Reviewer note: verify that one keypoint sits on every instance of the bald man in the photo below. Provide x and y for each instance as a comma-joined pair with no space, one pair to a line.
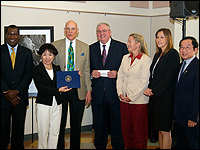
77,97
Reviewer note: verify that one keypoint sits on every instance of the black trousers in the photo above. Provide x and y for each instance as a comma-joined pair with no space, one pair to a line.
100,118
76,109
187,137
13,118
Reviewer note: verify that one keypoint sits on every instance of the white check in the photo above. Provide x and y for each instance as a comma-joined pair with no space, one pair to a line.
103,73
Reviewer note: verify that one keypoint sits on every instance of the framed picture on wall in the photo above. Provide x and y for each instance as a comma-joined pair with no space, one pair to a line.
33,37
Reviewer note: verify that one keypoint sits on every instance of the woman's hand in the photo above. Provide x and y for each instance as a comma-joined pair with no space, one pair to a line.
124,99
64,89
148,92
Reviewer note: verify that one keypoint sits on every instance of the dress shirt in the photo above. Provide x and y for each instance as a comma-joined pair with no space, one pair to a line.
188,61
67,41
138,57
106,47
10,50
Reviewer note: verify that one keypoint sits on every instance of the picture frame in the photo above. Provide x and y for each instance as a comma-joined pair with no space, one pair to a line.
33,37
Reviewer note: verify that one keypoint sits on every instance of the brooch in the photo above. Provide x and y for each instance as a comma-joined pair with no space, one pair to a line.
82,54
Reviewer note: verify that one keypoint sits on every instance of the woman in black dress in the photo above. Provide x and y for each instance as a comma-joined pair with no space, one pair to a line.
161,88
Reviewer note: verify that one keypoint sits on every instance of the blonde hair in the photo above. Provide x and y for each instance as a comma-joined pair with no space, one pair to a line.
168,36
139,39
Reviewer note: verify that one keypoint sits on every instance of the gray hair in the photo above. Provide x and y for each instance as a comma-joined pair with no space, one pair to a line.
102,23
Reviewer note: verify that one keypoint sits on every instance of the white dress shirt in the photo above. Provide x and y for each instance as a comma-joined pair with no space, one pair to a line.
107,46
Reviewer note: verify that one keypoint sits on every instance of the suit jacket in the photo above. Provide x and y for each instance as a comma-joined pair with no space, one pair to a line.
187,95
17,79
46,87
165,72
115,54
82,63
133,80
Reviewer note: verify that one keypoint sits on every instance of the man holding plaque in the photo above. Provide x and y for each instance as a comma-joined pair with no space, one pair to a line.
73,55
105,59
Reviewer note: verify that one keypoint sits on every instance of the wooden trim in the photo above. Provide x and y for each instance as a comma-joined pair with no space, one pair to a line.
160,4
139,4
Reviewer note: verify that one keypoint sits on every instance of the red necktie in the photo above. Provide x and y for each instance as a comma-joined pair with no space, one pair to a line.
104,55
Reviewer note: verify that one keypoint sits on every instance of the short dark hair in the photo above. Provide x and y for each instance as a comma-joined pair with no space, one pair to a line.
194,41
49,47
13,27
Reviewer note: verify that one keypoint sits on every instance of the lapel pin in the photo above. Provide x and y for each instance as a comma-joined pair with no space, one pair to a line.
185,71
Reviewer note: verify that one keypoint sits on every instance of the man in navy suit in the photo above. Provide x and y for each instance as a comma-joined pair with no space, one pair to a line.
186,107
105,59
15,80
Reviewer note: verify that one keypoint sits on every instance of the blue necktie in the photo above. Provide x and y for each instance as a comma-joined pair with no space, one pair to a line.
70,63
183,66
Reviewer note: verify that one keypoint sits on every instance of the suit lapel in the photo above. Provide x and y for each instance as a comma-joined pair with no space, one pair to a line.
98,53
7,56
44,72
134,63
186,71
19,56
111,50
78,51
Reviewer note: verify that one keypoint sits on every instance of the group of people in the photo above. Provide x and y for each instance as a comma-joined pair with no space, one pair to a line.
119,81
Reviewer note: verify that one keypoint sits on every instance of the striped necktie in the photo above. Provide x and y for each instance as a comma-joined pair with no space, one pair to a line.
182,69
183,66
13,57
70,63
104,55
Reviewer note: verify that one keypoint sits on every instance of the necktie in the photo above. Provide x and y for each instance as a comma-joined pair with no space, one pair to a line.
104,55
183,66
13,58
70,63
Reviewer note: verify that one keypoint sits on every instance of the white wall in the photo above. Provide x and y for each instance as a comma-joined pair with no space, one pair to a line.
123,20
157,23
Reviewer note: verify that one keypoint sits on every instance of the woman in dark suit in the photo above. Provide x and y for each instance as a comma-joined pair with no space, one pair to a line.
48,107
161,88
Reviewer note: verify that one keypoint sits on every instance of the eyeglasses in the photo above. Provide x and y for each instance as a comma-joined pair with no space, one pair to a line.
187,48
73,29
104,31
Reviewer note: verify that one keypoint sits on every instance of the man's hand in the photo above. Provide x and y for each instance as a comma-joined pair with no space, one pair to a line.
88,99
112,74
11,95
191,123
15,101
79,72
96,74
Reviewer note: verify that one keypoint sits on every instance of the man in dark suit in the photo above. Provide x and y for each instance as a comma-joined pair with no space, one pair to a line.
16,75
106,54
186,107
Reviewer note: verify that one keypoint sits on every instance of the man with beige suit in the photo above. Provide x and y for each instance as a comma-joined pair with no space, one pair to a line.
77,98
